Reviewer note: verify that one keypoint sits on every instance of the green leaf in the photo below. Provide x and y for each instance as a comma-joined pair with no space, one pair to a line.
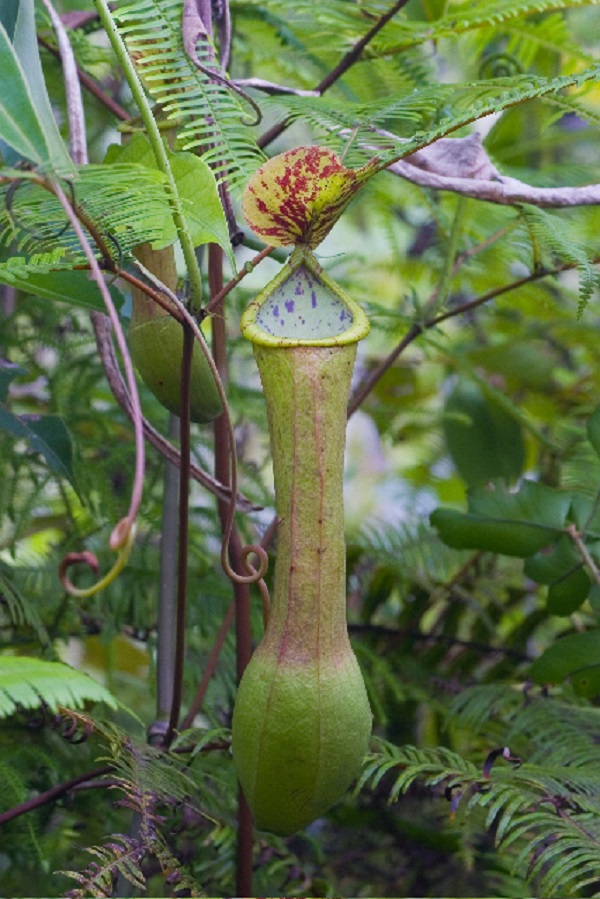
567,594
484,441
563,570
75,288
515,524
47,435
19,123
197,189
26,683
567,656
26,47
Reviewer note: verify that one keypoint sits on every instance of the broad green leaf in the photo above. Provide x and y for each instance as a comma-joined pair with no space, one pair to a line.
567,656
298,196
19,123
548,566
585,514
47,435
26,47
484,441
567,594
515,524
197,189
75,288
593,430
27,682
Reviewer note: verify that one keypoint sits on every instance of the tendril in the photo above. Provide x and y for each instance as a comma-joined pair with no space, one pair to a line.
125,534
18,224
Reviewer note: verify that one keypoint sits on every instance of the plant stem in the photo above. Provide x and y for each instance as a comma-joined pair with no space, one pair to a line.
166,638
182,558
158,148
241,590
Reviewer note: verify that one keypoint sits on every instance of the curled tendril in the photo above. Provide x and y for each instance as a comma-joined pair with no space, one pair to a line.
500,65
257,575
126,539
71,728
16,221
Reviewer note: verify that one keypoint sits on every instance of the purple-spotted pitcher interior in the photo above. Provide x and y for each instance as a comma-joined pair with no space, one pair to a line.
302,307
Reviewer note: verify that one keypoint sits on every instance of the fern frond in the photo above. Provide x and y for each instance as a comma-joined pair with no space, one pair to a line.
359,126
549,813
549,229
212,119
404,33
127,204
29,682
121,855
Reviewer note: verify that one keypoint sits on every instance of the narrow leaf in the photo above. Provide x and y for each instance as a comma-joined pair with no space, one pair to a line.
19,124
515,524
26,47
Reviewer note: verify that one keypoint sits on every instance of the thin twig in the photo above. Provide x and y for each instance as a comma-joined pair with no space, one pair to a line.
53,793
583,552
345,63
215,301
416,330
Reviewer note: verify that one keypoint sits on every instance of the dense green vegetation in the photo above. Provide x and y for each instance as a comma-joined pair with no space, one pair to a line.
472,480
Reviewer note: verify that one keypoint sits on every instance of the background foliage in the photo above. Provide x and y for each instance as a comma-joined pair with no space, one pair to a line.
476,631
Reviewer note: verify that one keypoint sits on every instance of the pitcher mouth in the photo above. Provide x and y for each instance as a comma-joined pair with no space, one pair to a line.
303,306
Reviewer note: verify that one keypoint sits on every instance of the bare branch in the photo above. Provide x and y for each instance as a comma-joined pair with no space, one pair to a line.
461,165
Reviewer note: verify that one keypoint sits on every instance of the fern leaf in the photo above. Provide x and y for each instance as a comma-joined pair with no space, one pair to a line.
466,17
28,682
551,232
359,126
212,118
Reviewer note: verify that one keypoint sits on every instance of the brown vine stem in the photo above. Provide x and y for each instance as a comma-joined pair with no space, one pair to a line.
53,793
241,590
86,780
183,543
346,62
416,330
